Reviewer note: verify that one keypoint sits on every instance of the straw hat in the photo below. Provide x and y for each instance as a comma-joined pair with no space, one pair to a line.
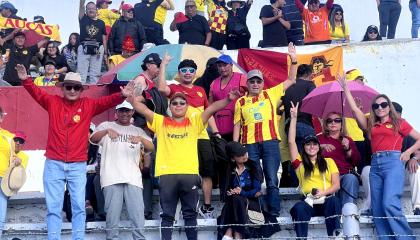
72,78
13,180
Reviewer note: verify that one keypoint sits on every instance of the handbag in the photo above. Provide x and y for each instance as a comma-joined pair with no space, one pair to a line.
91,47
311,199
255,214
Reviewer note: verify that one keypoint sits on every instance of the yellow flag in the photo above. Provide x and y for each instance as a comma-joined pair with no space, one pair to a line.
47,30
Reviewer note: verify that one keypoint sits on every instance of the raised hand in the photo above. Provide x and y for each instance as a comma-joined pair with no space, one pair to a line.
291,49
166,59
294,110
128,90
234,94
341,79
21,71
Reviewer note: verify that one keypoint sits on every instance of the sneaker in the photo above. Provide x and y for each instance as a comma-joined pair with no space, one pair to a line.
417,211
88,209
206,213
338,235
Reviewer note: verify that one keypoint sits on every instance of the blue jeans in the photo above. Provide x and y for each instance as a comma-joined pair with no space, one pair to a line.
302,211
269,152
56,175
349,189
415,18
302,130
3,209
386,187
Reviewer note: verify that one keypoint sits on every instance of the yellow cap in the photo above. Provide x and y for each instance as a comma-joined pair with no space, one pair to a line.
353,74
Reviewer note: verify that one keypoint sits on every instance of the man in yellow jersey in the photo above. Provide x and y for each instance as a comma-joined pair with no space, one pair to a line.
256,126
176,159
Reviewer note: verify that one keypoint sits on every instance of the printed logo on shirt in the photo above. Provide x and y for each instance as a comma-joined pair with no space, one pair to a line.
199,94
92,30
388,125
315,19
258,116
177,136
76,118
25,52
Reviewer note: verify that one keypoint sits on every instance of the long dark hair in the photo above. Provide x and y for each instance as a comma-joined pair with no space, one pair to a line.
76,45
210,74
309,167
332,19
393,116
45,53
222,4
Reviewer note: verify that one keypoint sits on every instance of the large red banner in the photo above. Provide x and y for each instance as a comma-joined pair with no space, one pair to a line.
24,114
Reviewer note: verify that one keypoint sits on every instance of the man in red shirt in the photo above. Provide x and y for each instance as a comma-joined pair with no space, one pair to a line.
197,100
67,145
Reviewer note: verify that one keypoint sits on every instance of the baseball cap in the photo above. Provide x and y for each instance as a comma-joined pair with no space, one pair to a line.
178,95
20,33
152,58
310,138
255,74
126,7
224,59
235,149
313,1
50,62
39,18
124,104
20,135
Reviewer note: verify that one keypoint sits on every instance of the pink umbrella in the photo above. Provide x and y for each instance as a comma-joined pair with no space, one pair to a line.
330,98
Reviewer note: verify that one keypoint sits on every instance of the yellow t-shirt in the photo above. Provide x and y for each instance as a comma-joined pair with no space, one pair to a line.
24,157
316,180
353,130
108,16
39,81
6,138
177,144
116,59
201,4
257,115
191,112
338,34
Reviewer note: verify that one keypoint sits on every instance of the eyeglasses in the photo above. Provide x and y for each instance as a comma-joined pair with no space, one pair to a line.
383,105
258,81
339,13
76,88
180,103
187,69
190,6
336,120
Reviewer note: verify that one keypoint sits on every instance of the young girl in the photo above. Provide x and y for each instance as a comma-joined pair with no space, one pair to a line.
319,180
386,131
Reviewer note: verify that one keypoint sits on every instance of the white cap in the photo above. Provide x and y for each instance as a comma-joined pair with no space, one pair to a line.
124,104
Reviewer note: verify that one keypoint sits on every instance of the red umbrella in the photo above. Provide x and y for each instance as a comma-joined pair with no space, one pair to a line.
330,98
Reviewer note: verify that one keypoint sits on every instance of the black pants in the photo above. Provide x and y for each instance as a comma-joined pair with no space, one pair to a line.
389,14
234,212
321,42
217,40
155,35
176,187
234,42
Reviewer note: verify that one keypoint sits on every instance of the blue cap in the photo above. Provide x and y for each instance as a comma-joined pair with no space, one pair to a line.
9,6
225,59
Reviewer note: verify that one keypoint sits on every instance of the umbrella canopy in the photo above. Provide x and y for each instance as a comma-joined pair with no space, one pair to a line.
131,67
330,98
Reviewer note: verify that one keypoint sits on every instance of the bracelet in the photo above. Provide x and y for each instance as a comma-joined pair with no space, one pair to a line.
294,63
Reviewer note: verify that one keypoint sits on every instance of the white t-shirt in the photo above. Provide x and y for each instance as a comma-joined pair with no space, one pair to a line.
120,158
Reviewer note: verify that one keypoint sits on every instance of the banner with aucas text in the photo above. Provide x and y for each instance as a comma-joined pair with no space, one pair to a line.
326,64
46,30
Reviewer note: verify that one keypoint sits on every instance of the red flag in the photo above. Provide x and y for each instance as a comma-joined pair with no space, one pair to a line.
273,65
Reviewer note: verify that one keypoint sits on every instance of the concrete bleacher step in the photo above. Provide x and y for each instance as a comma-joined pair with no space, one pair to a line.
27,211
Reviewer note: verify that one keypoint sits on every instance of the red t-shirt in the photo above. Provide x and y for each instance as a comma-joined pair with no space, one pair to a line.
196,96
384,138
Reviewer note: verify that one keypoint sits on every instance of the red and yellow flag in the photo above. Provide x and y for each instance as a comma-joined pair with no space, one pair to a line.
326,64
46,30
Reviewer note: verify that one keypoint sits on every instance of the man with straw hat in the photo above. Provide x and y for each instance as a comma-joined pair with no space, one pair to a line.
66,151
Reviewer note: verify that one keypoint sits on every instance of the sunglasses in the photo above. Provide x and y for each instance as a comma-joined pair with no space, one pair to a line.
187,69
19,141
339,13
336,120
383,105
123,110
76,88
258,81
190,6
178,103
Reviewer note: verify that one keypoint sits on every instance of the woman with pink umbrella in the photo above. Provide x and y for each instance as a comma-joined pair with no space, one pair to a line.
386,131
